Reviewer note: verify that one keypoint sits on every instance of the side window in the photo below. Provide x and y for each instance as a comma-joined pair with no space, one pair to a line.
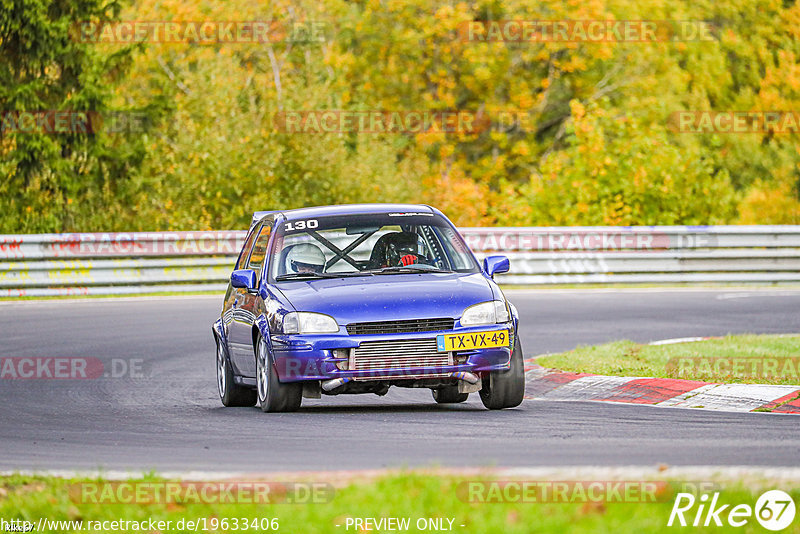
454,248
259,250
248,244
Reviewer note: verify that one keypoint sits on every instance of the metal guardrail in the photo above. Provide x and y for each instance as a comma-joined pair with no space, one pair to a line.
124,263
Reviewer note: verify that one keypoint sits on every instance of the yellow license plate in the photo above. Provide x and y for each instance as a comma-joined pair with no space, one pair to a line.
473,340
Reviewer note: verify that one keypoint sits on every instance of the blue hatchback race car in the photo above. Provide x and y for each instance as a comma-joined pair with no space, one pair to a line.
359,298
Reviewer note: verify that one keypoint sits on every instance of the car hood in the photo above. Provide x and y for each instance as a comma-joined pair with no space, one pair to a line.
389,297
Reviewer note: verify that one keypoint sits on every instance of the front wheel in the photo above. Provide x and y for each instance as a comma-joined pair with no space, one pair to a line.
505,389
273,395
230,393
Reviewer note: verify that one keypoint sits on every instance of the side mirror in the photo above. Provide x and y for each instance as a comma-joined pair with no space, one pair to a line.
495,264
244,278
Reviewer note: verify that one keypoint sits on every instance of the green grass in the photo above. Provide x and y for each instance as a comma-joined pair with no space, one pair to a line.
412,495
691,361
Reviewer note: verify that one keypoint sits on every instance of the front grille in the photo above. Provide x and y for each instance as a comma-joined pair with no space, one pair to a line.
380,356
401,327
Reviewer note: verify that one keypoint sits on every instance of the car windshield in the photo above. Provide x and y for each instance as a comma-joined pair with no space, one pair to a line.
370,244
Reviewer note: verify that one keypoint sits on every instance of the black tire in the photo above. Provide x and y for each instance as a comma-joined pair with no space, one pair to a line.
448,395
272,394
505,389
231,393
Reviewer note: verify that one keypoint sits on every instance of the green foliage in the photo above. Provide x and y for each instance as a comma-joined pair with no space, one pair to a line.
589,142
616,171
57,181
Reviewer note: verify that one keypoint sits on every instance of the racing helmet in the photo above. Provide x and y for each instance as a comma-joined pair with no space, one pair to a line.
400,245
305,258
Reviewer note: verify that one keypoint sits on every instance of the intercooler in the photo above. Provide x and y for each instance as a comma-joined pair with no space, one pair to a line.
381,356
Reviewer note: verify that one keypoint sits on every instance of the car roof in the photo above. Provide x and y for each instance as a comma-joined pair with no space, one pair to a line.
348,209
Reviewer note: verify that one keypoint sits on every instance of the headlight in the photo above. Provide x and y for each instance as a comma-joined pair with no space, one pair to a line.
485,313
309,323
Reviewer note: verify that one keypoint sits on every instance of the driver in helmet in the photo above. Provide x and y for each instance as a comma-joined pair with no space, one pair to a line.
402,249
305,258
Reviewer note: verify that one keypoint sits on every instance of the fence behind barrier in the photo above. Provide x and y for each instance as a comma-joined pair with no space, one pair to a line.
123,263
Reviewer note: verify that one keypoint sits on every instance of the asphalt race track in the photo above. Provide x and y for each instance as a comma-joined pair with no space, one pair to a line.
171,419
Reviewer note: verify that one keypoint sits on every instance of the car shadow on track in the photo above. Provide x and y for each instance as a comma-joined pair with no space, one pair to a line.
369,408
396,408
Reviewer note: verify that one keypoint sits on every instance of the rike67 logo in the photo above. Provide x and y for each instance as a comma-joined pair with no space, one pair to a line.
774,510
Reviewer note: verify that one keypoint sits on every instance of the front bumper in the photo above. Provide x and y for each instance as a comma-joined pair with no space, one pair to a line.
320,356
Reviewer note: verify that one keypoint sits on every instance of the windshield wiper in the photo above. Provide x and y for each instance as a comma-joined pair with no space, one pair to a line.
399,269
311,276
414,268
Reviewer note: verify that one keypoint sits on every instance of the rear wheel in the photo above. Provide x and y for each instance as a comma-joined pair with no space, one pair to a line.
505,389
448,395
273,395
231,393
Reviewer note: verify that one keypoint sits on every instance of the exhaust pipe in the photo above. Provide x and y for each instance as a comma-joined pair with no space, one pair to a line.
466,376
330,385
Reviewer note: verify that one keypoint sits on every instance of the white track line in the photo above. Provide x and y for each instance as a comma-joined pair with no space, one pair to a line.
676,340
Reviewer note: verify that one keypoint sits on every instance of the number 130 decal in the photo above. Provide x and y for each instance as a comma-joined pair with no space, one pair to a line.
302,225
